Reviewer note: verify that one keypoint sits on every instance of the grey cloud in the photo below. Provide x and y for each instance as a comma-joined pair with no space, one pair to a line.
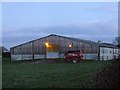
91,27
92,30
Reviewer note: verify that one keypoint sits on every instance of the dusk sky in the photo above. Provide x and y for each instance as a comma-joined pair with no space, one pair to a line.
22,22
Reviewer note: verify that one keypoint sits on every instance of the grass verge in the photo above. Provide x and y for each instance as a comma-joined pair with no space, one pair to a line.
57,75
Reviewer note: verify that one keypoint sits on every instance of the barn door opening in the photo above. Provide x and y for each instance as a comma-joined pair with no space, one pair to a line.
52,51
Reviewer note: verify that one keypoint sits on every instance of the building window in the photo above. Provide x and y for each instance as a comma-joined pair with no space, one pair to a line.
110,51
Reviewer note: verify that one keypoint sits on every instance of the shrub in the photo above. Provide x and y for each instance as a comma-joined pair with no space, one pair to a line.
108,77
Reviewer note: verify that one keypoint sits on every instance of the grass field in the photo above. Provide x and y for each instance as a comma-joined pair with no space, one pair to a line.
57,75
0,72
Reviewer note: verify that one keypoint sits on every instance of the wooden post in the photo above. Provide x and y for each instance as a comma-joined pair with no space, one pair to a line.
33,50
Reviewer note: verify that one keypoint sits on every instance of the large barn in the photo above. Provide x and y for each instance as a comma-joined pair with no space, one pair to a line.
54,46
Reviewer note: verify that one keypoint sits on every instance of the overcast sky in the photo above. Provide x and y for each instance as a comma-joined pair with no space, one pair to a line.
22,22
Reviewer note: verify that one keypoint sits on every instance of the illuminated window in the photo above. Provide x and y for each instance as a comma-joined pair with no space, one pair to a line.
70,45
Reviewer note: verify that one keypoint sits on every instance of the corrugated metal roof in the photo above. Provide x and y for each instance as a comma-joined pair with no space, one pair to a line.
108,45
74,39
3,49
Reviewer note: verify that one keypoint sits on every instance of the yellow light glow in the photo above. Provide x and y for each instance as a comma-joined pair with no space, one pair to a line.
47,44
70,46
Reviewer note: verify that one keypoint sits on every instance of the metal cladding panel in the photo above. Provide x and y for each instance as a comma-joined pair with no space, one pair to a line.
39,56
27,57
16,57
52,55
90,56
106,53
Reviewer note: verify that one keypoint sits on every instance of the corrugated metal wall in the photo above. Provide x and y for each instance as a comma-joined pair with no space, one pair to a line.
37,48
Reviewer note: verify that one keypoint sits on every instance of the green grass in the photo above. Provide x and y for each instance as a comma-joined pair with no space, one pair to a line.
57,75
0,72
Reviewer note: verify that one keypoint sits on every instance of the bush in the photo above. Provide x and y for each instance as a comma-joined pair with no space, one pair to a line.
108,77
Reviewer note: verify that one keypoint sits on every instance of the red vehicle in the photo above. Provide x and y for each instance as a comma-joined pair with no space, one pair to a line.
74,56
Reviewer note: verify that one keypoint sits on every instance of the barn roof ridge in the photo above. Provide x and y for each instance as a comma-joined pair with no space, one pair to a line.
71,38
76,39
30,41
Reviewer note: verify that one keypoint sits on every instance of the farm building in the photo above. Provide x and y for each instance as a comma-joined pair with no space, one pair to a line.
54,46
4,52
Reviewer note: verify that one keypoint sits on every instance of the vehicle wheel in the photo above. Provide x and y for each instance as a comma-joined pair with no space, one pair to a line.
75,61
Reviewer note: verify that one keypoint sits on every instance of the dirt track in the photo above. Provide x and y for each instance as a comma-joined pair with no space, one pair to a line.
44,62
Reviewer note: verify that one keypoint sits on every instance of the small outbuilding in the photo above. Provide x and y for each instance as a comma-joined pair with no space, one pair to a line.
4,52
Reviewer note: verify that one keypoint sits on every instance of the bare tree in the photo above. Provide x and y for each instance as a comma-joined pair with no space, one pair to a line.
99,41
117,41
